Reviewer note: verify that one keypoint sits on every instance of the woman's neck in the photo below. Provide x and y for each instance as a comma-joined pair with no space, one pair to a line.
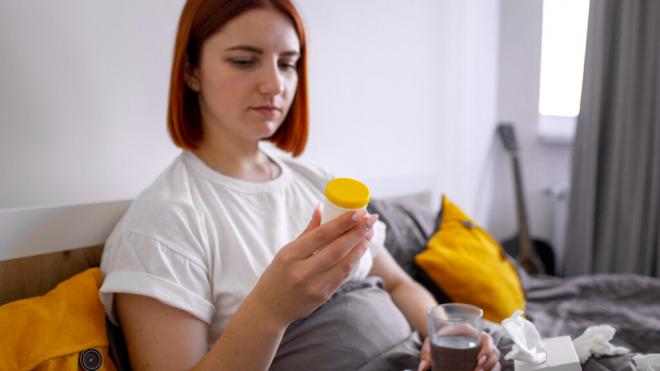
236,159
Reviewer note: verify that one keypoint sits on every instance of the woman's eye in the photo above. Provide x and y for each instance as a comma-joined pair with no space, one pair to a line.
289,65
242,63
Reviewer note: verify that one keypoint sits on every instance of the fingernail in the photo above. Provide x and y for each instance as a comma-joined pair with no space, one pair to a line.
357,216
482,360
422,365
372,220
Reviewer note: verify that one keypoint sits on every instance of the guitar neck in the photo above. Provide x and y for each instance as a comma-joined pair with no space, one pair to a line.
525,240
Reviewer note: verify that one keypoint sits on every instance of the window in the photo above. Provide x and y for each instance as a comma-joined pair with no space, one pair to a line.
562,61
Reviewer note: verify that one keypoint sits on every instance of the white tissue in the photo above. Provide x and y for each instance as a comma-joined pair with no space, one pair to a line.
527,346
647,362
596,341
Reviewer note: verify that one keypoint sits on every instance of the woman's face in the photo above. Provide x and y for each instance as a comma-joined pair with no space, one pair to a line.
247,75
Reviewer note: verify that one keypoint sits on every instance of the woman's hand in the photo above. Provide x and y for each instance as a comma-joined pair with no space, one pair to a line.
489,355
306,272
488,358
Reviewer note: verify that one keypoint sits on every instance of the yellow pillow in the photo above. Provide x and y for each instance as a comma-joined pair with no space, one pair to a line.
62,330
470,266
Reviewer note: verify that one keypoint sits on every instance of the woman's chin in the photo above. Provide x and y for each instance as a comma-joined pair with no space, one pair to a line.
266,130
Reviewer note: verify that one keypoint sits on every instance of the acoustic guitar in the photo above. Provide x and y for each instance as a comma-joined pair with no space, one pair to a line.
534,255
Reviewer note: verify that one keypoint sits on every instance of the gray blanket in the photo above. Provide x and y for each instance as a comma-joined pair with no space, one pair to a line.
630,303
360,328
567,306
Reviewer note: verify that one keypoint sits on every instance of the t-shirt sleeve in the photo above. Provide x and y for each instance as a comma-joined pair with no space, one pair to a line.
138,264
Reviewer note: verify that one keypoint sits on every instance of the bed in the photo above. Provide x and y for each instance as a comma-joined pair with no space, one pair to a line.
557,306
40,247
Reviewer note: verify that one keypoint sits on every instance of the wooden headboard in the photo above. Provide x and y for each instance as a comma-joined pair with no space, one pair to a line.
36,275
42,246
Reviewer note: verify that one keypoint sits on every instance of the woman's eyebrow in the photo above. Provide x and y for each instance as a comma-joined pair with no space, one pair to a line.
255,50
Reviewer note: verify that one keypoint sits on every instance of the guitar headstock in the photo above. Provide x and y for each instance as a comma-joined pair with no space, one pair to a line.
507,134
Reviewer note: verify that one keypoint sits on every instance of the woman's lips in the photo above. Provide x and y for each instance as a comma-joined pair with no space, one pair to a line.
268,111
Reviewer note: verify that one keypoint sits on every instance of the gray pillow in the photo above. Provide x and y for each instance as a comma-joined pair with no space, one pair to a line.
409,227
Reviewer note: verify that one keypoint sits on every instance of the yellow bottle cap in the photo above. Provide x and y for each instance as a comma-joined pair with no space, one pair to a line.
347,193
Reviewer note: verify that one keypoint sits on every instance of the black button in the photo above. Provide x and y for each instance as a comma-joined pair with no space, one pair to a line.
468,224
90,360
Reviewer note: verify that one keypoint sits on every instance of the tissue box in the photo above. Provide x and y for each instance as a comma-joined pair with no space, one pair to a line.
561,356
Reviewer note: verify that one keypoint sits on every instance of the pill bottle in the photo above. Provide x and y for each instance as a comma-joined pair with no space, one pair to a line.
343,195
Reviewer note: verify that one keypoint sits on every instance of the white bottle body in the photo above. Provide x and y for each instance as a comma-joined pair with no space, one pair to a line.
331,211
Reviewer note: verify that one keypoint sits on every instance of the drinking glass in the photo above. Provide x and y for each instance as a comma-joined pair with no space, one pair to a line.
454,331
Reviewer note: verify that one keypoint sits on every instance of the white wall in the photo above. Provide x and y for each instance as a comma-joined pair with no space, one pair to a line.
414,83
543,165
83,86
397,87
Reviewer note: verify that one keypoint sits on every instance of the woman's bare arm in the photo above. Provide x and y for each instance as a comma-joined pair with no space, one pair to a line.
410,297
303,275
413,300
160,337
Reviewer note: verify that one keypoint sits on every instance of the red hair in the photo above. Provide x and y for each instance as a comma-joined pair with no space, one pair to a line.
199,20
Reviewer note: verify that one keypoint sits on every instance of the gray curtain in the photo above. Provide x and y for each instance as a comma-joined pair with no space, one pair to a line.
614,214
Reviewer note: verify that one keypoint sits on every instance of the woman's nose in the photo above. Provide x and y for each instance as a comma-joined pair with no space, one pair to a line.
272,82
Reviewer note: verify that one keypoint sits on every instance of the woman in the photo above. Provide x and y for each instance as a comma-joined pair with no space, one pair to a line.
215,260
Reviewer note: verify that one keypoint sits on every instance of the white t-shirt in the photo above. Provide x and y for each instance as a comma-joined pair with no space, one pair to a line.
198,240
